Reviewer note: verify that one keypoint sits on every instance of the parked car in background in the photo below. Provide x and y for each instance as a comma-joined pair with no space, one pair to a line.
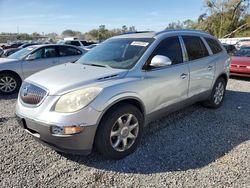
8,52
32,59
1,51
105,98
230,48
240,65
244,42
78,43
12,45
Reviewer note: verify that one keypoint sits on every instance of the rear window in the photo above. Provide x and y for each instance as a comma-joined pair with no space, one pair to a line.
214,45
196,49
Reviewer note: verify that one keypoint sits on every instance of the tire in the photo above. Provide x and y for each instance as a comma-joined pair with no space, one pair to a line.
217,95
9,83
114,121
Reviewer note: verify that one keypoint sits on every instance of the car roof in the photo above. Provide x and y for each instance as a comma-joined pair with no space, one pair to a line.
47,45
152,34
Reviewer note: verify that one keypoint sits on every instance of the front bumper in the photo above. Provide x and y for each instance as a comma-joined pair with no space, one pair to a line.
239,71
38,122
80,143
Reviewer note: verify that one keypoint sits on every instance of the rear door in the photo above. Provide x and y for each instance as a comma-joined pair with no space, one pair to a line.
68,54
167,85
201,65
45,57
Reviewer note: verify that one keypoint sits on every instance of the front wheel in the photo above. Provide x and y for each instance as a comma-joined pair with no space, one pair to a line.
120,131
9,83
217,95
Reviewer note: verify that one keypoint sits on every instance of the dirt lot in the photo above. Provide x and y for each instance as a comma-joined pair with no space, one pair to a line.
194,147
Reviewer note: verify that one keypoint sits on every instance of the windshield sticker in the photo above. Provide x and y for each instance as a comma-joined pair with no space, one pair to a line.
138,43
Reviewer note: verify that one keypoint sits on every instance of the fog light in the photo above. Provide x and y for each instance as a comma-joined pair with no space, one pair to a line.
248,67
57,130
67,130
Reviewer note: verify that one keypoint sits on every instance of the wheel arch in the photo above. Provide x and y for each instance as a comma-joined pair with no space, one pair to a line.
125,100
11,72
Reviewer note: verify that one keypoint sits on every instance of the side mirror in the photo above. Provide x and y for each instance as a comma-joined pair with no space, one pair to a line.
160,61
31,57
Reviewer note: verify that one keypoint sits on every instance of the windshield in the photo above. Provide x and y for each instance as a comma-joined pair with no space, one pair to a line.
21,53
117,53
243,52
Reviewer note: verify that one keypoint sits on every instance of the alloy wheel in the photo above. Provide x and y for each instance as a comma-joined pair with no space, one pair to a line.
7,84
219,93
124,132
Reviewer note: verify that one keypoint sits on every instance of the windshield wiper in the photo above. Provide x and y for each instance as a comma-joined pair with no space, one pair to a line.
97,65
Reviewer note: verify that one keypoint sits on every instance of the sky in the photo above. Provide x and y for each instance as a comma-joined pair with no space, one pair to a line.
45,16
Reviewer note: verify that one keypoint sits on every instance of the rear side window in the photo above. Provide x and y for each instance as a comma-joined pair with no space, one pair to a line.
68,51
171,48
195,47
214,45
74,43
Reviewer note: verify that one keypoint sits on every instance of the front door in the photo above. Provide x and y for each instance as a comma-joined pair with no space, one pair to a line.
44,58
167,85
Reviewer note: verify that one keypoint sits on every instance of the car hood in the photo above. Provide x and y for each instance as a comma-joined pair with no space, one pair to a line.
244,61
70,76
7,60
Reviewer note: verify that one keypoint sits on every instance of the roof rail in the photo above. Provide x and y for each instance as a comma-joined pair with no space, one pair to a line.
135,32
173,30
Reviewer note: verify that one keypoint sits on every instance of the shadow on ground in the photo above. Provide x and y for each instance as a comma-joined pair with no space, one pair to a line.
8,97
188,139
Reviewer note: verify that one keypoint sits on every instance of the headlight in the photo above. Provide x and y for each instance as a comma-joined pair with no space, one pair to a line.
76,100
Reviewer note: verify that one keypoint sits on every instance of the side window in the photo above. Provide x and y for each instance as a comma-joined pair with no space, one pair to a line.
214,45
38,54
171,48
75,43
49,52
196,49
84,43
68,51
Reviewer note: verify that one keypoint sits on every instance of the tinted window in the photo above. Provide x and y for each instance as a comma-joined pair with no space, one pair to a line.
38,54
172,49
75,43
49,52
195,47
214,46
68,51
84,43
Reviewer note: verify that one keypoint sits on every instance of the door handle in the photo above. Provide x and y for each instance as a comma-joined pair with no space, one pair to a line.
183,75
210,67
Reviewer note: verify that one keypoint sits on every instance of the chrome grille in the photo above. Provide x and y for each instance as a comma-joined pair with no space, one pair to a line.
32,94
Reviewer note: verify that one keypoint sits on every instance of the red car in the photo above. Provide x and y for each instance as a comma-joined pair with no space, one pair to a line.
240,64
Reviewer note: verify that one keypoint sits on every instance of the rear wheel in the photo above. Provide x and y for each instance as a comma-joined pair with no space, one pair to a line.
120,131
9,83
217,95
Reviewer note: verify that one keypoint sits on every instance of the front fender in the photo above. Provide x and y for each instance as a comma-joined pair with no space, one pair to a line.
100,104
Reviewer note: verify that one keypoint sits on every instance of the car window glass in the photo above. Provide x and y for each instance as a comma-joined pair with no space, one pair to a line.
38,54
172,49
84,43
75,43
215,47
49,52
68,51
195,47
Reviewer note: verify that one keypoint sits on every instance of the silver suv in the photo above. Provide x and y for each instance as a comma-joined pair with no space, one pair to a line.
105,98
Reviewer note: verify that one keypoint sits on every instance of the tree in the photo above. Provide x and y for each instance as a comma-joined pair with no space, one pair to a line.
68,33
224,17
124,28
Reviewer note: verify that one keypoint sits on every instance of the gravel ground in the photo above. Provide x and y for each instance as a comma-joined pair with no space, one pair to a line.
194,147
